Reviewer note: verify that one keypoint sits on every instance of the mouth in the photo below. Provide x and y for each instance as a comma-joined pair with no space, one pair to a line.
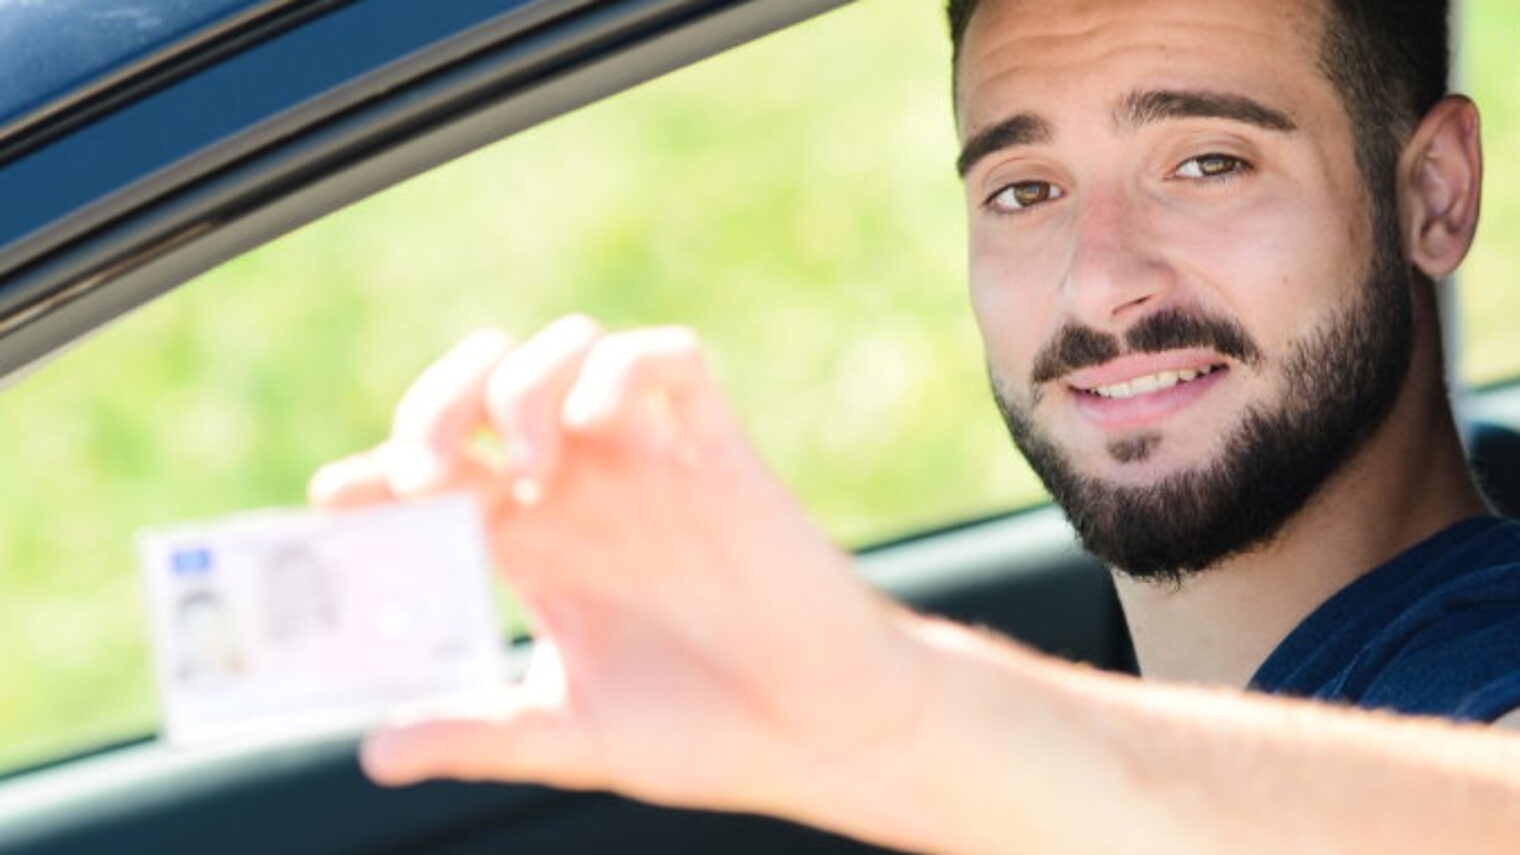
1144,385
1140,391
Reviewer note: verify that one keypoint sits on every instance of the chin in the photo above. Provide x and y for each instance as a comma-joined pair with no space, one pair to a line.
1144,461
1135,474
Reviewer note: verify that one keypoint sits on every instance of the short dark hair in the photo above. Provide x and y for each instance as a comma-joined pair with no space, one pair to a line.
1388,59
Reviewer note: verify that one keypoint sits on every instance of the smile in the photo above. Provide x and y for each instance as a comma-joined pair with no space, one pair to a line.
1141,391
1149,383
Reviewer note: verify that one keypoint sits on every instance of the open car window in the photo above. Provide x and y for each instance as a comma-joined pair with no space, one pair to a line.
810,229
808,224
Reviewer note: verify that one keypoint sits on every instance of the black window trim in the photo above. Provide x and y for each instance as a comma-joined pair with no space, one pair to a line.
429,108
173,61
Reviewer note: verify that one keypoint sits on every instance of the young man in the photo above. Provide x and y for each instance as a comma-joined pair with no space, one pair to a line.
1203,239
1204,277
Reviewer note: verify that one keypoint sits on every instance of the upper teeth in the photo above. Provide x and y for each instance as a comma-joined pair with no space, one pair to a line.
1151,383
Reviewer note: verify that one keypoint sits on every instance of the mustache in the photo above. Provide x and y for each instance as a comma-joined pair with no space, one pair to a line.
1077,346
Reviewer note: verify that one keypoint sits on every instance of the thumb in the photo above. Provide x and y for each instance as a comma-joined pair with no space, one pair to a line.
519,744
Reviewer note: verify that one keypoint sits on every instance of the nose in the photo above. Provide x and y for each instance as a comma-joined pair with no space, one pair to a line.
1116,272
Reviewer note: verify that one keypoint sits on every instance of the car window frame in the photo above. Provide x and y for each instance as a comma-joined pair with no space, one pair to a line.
64,278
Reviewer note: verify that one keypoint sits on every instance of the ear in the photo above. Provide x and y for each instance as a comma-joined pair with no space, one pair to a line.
1440,181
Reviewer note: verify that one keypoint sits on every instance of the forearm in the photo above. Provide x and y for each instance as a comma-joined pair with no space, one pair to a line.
709,648
1020,753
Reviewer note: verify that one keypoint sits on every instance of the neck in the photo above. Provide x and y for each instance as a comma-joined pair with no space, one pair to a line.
1408,481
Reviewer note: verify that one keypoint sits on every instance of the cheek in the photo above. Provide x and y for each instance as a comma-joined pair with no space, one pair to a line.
1012,298
1278,265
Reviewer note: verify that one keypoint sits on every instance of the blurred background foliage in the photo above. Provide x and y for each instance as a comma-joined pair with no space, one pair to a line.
794,200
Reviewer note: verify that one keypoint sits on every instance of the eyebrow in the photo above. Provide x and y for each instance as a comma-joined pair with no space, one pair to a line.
1134,111
1144,108
1023,129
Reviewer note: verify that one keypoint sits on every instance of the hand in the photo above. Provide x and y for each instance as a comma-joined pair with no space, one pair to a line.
697,640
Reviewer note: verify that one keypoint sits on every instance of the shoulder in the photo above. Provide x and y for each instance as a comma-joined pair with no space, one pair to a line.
1451,648
1434,632
1458,663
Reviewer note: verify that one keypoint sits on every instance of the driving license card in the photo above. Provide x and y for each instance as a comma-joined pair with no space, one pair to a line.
294,621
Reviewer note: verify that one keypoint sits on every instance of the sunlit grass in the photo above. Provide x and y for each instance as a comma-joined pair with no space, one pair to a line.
1490,283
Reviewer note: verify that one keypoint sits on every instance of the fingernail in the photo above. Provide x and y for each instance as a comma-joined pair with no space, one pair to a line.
413,469
324,482
379,758
484,342
579,409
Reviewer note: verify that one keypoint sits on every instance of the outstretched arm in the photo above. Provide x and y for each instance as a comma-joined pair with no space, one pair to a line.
700,643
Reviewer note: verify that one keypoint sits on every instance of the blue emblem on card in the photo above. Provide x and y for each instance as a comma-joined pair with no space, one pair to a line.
185,562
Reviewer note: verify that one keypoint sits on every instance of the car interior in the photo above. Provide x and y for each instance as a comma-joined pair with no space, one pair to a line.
287,113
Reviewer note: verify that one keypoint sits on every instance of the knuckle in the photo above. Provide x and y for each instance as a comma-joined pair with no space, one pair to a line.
628,364
577,324
613,355
413,415
681,339
644,350
447,385
506,387
324,483
680,348
485,341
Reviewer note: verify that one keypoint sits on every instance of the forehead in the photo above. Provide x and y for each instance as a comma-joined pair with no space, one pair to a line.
1018,54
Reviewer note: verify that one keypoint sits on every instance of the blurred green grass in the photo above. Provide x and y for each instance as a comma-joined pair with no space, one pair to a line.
1489,288
793,199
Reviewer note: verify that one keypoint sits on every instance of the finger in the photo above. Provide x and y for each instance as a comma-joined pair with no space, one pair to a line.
433,424
524,395
521,744
444,404
359,479
411,472
652,384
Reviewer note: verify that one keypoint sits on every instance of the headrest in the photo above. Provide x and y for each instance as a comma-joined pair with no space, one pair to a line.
1494,451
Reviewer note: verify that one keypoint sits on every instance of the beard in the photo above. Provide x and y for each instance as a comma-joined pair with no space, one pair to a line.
1340,384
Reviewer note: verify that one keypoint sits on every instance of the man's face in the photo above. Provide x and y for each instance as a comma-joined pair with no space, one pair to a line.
1191,314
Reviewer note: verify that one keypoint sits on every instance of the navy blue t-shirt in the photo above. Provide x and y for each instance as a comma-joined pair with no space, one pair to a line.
1435,631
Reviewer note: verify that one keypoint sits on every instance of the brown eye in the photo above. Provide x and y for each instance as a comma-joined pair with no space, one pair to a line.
1211,166
1025,194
